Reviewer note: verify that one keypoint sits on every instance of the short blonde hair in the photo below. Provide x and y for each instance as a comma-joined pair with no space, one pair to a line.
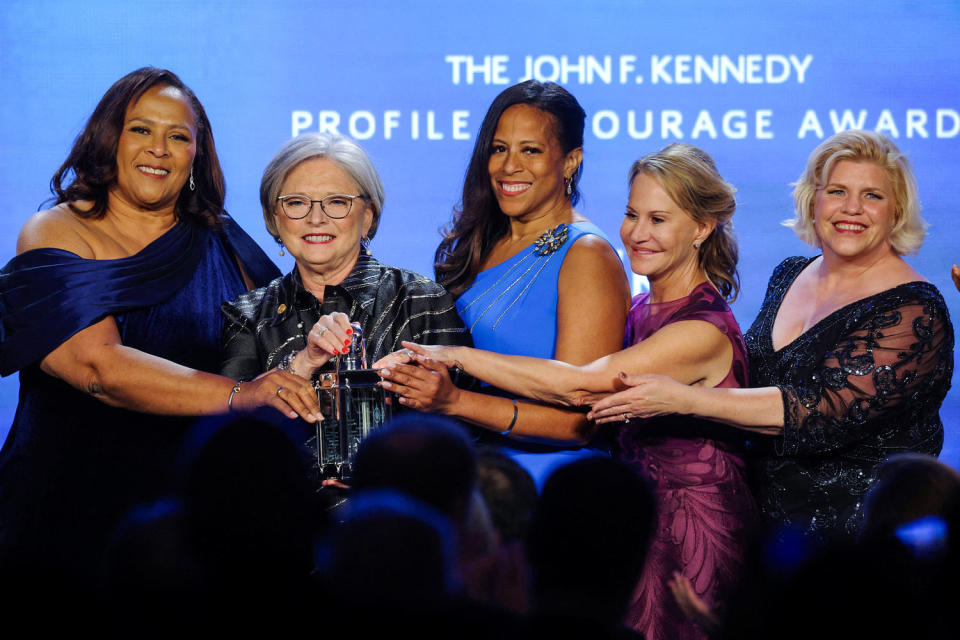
909,228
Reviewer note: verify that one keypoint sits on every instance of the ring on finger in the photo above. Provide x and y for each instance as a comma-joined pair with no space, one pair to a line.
626,417
322,331
279,389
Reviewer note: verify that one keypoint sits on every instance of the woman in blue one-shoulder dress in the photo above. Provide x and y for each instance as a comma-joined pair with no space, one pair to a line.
532,276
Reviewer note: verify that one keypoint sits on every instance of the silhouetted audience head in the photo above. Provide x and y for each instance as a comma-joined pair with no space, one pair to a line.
389,568
509,492
589,538
844,591
239,536
897,581
425,456
150,565
908,487
391,550
250,509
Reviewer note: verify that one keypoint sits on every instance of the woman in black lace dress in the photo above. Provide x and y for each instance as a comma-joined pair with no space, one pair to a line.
851,354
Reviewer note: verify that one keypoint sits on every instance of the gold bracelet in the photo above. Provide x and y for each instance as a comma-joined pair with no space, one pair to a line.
233,392
516,411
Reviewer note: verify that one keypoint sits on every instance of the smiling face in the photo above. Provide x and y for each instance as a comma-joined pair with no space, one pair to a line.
659,236
527,166
156,149
854,212
325,249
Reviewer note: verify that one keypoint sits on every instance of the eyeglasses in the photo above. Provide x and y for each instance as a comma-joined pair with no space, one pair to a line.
335,205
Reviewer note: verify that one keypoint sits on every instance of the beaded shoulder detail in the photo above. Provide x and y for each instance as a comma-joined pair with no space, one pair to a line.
517,280
551,240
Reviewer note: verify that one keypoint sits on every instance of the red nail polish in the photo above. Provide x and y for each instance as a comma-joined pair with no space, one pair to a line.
346,343
345,350
349,332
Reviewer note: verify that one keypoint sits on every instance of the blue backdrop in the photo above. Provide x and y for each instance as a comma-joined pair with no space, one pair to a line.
755,84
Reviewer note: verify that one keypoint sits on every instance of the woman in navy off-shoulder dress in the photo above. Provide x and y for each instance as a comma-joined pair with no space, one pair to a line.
110,312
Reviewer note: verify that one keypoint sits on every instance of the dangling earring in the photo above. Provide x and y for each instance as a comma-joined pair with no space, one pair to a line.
569,182
280,242
193,185
365,245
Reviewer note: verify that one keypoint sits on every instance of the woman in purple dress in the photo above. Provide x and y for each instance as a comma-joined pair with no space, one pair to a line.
678,233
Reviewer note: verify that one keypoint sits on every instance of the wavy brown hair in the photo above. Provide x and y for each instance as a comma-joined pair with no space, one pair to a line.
690,177
478,221
91,168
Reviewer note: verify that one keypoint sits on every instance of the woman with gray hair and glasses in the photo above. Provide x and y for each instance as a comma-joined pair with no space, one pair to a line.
322,199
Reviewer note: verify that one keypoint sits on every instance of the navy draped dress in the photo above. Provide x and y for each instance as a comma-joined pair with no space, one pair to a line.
72,466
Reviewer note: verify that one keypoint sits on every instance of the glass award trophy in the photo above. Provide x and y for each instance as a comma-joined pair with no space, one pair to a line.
353,404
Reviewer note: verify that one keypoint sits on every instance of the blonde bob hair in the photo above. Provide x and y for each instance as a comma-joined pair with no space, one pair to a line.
909,228
690,177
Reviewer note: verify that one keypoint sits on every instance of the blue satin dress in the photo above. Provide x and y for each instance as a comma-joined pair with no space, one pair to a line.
512,309
72,466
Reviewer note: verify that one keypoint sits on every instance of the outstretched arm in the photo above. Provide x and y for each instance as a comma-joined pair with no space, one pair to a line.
896,357
647,396
685,349
427,386
96,362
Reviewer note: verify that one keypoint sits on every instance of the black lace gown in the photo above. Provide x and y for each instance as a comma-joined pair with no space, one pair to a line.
864,383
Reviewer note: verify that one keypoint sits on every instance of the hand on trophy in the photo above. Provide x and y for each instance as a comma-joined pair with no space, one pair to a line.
424,385
444,354
402,356
283,390
414,353
330,336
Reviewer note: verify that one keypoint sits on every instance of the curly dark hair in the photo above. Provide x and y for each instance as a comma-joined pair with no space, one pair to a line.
91,168
478,222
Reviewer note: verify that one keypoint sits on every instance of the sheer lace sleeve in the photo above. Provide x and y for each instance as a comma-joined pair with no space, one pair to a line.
893,360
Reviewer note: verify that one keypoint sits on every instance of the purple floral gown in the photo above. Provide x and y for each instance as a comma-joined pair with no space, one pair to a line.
698,479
